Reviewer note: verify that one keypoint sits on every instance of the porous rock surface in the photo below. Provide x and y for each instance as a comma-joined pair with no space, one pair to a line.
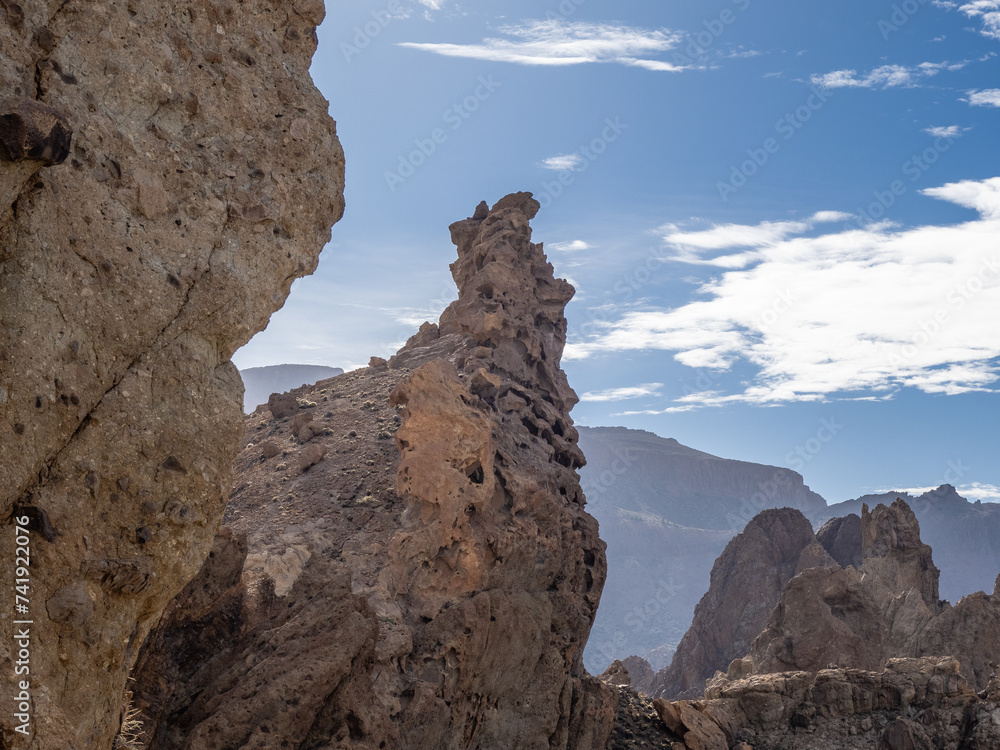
747,581
430,580
166,171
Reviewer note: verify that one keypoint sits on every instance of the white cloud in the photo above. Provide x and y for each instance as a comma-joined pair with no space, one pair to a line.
846,314
559,42
984,98
989,12
565,163
432,4
972,491
951,131
884,77
623,394
569,247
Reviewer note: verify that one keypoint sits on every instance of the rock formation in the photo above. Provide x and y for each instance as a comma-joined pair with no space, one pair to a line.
166,171
965,536
666,513
841,538
434,590
747,581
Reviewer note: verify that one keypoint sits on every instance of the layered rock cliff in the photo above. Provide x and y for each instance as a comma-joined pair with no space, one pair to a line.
407,561
166,171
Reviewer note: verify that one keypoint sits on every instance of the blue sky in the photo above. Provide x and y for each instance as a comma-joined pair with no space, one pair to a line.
781,218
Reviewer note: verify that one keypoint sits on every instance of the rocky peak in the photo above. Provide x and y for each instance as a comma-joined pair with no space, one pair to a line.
747,581
431,591
894,554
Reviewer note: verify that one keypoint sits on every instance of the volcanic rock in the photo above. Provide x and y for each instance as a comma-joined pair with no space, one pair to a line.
444,530
747,581
154,212
841,538
850,618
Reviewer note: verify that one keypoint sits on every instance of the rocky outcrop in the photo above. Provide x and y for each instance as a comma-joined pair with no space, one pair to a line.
841,538
849,618
965,536
430,580
747,581
666,512
166,172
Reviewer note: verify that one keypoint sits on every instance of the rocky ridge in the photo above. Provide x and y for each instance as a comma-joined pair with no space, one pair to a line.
859,658
747,581
166,171
419,570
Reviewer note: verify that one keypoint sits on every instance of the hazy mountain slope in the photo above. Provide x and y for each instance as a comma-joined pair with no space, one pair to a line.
965,536
666,512
261,382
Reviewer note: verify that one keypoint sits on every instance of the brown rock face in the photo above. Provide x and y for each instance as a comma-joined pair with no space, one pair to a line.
747,581
887,609
155,210
841,538
462,569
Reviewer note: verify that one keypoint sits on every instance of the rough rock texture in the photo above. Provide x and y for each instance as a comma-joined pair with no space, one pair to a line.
747,581
911,704
965,536
639,672
666,512
831,617
841,538
200,174
434,591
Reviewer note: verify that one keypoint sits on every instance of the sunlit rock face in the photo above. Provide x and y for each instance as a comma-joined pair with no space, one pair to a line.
166,171
419,570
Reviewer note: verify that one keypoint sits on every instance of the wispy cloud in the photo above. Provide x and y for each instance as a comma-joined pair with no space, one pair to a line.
884,77
560,42
569,247
565,163
984,98
623,394
858,313
951,131
989,12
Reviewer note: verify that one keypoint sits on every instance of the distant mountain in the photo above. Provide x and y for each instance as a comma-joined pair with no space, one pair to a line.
666,512
261,382
965,536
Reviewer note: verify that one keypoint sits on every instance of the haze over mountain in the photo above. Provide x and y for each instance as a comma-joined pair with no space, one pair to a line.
666,512
261,382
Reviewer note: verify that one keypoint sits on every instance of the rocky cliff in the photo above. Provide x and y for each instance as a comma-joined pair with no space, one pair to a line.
261,382
857,658
965,536
166,171
747,581
406,560
859,618
666,512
